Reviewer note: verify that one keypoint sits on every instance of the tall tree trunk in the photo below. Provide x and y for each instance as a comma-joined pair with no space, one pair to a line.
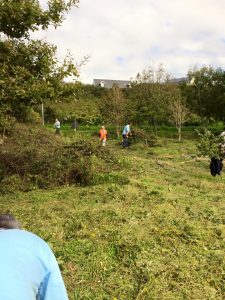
179,134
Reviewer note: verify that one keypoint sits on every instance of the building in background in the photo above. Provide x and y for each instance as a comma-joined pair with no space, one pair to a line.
108,83
178,80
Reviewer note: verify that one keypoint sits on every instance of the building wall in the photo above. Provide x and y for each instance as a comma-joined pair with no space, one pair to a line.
107,83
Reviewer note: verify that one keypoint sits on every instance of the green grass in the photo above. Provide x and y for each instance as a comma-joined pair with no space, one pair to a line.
159,236
163,131
84,130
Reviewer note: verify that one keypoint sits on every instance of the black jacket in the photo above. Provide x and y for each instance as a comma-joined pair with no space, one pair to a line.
216,166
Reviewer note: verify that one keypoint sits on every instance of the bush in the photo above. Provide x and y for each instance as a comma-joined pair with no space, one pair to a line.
141,136
209,144
194,120
33,117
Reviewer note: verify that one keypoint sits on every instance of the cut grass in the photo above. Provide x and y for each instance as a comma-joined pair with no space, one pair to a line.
159,236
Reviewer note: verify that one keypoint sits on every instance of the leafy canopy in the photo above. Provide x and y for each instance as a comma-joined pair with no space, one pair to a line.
30,70
205,92
18,17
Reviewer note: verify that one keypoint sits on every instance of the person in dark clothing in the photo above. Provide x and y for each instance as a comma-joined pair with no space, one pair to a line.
216,166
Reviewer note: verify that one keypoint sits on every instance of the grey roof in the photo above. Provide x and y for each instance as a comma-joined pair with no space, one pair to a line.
178,80
108,83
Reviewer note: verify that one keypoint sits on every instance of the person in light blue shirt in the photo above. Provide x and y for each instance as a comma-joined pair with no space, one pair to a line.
126,132
29,270
57,126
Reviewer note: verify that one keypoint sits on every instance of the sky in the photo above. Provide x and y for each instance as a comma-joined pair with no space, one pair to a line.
124,37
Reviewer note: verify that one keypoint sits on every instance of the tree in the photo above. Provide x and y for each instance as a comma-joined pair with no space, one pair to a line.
178,111
150,95
30,71
5,119
210,145
114,108
19,17
205,92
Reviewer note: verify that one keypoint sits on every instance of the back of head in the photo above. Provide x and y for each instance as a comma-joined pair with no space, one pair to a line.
7,221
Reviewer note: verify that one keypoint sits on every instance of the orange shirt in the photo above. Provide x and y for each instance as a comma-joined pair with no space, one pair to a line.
103,133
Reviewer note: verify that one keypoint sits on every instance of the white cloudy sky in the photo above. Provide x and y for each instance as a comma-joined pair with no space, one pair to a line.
123,37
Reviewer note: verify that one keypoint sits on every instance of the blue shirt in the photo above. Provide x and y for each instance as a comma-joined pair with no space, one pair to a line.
126,130
28,268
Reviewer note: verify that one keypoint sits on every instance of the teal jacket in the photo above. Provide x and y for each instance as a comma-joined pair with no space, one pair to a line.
28,268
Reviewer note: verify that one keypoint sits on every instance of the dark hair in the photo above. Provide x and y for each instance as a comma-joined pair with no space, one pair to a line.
7,221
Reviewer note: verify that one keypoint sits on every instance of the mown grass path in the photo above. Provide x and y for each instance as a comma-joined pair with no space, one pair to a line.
160,236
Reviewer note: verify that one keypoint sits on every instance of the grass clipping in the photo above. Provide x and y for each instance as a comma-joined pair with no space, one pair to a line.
36,158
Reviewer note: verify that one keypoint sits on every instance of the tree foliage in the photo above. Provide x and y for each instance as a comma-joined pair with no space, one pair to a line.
6,120
151,93
209,144
31,73
178,111
205,92
19,17
114,108
30,70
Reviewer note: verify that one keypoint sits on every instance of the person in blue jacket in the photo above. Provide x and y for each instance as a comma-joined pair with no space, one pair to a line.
29,270
126,132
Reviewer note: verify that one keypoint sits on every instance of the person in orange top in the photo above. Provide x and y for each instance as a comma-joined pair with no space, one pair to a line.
103,135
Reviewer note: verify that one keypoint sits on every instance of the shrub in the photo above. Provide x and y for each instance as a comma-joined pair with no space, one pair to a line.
209,144
33,117
141,136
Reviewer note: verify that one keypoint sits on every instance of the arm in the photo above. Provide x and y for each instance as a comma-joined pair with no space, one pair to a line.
129,131
52,286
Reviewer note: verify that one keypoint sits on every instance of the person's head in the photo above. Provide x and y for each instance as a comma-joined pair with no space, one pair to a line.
7,221
103,127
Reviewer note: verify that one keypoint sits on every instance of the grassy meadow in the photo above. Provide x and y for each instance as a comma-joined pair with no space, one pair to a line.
160,234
